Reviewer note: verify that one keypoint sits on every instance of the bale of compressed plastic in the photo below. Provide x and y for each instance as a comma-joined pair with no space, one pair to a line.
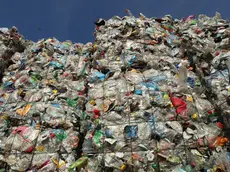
43,95
148,96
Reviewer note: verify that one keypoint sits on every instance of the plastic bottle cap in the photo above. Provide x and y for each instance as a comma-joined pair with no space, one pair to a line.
220,125
198,31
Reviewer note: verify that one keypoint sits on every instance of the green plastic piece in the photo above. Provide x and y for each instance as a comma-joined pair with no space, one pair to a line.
154,166
78,164
97,136
71,102
61,136
193,22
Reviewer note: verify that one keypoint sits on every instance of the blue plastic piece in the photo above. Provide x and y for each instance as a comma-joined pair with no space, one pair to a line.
131,131
138,92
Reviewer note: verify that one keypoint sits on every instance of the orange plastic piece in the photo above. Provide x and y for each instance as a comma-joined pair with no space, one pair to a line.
137,157
221,141
23,111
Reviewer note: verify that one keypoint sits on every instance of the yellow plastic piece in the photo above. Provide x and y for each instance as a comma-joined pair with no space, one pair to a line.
134,31
55,161
195,116
123,167
92,102
50,82
5,117
166,96
40,148
55,91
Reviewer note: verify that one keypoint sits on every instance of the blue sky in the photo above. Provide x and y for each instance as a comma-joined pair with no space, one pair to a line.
73,19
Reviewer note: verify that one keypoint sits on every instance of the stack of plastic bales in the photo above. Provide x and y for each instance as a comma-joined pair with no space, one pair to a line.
150,94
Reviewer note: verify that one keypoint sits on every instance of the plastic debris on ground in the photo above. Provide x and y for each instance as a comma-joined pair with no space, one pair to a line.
150,94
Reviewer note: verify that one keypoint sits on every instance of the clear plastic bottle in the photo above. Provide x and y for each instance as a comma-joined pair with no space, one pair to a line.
129,13
214,129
